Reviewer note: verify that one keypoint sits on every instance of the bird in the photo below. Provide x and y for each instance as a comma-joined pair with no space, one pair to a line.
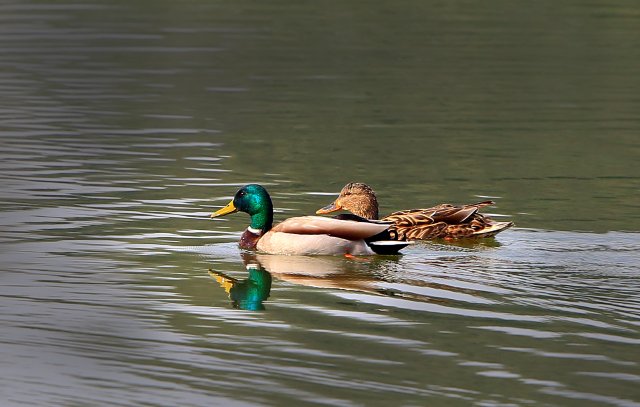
444,221
305,235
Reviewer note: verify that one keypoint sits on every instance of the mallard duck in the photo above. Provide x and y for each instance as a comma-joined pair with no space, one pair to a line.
443,221
304,235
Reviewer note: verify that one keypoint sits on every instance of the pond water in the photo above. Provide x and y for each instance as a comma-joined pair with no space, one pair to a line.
125,124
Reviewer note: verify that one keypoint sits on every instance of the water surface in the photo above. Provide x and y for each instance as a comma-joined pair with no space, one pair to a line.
124,125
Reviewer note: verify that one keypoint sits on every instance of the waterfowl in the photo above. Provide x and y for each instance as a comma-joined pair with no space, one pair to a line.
304,235
444,221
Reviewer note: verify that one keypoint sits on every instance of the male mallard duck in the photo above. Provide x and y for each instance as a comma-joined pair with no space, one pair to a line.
443,221
304,235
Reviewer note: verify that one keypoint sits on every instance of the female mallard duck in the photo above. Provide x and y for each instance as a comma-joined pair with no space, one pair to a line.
444,221
304,235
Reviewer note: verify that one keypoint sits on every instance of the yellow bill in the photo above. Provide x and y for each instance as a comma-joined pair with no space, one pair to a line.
230,208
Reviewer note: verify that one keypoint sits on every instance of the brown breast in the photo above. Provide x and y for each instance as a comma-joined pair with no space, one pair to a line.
249,240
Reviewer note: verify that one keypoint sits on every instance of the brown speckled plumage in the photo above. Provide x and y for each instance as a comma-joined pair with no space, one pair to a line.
442,221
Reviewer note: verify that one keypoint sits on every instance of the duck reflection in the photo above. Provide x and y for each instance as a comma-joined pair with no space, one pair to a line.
322,272
379,276
248,293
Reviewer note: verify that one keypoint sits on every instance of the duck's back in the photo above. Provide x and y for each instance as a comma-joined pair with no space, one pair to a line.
317,235
320,225
444,221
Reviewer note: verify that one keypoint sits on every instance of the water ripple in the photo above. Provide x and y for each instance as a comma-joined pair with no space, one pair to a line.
122,129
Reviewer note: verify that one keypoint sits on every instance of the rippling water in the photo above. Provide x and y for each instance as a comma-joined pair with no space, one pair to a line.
124,125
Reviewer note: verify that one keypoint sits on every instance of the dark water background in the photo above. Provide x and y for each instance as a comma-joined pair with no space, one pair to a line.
124,124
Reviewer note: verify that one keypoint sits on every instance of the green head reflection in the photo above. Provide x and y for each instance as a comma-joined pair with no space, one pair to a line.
248,293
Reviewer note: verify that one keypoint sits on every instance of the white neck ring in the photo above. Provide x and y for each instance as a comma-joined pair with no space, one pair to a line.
254,231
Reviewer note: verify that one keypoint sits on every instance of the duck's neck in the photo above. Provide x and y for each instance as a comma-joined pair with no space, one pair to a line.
262,220
367,208
260,224
369,213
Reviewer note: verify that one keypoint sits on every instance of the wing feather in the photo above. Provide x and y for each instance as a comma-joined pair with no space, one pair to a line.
319,225
444,220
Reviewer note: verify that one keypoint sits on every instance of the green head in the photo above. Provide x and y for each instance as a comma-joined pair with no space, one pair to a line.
254,200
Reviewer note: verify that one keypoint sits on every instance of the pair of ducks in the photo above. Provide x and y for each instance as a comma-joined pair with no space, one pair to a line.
358,232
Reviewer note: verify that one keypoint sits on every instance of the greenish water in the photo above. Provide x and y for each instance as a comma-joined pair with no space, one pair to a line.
125,124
